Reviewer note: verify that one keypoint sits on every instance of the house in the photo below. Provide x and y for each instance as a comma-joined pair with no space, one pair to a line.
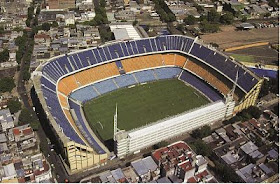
146,169
6,120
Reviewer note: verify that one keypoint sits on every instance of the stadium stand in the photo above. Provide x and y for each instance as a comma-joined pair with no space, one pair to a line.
167,73
125,80
169,59
84,94
200,86
207,76
82,127
97,73
68,84
179,60
89,69
105,86
145,76
57,113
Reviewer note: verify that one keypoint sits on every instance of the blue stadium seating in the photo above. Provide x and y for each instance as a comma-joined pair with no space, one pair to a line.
107,52
200,51
201,86
97,56
125,80
87,55
145,76
167,73
48,84
83,129
57,113
84,94
105,86
124,48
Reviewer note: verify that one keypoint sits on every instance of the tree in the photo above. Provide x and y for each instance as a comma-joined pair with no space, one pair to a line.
201,148
6,84
207,27
27,117
54,24
254,111
27,22
180,27
135,22
227,18
213,16
46,26
225,173
202,132
4,55
14,105
26,75
2,30
160,145
243,19
190,20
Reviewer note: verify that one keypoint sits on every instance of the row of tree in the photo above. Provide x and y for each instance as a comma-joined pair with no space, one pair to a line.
211,22
4,55
164,12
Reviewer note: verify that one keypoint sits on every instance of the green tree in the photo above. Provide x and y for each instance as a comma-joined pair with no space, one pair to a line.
226,174
27,117
227,18
135,22
190,20
4,55
202,132
46,26
243,19
6,84
14,105
18,29
54,24
201,148
254,111
207,27
27,22
26,75
2,30
213,16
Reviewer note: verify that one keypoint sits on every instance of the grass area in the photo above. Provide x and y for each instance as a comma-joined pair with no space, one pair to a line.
243,58
141,105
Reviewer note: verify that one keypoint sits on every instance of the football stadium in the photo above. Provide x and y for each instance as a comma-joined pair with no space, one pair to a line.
138,93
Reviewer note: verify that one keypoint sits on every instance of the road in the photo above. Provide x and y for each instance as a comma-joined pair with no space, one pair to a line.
22,91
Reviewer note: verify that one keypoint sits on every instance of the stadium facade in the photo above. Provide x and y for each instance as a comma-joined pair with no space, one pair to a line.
65,82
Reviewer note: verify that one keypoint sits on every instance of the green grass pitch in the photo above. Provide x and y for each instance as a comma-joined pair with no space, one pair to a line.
140,105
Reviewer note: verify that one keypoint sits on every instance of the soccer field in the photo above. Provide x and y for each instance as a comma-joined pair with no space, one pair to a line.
140,105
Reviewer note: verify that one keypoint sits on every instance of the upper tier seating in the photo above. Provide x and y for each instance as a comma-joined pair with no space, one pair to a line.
207,76
68,63
200,86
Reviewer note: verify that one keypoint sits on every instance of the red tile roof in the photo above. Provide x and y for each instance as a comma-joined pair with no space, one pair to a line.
16,131
27,131
192,180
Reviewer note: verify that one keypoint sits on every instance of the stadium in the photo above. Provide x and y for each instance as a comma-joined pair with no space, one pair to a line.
89,96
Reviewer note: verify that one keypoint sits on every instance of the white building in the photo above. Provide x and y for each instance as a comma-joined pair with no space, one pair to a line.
135,140
6,120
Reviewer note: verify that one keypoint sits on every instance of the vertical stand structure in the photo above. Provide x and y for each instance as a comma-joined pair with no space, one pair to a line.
116,122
